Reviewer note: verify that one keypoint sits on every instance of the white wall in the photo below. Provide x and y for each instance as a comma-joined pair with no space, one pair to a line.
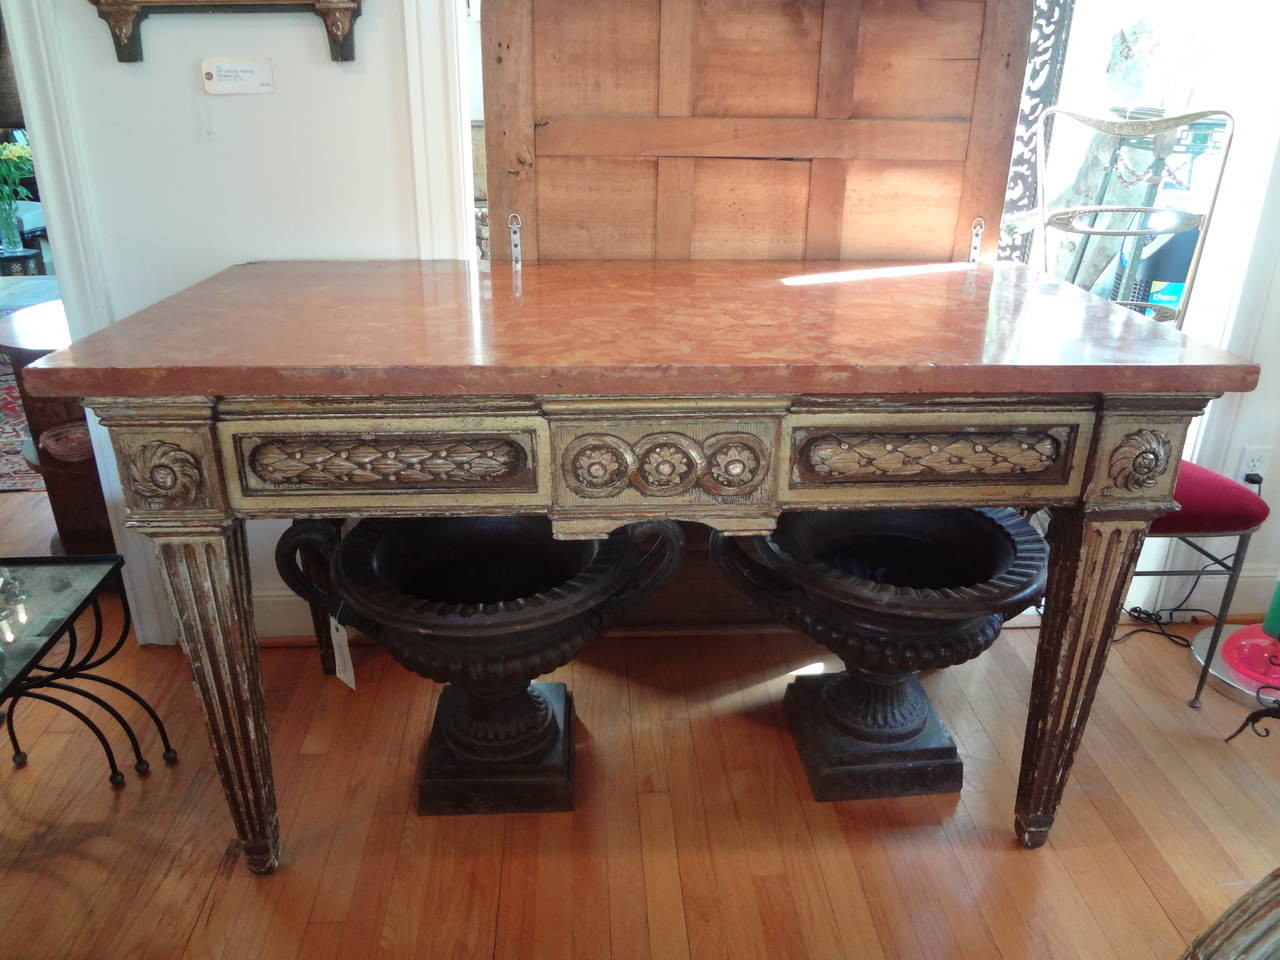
176,184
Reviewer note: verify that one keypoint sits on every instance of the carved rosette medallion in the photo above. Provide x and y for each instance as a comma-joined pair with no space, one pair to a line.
736,464
670,464
598,465
163,475
665,464
1140,460
387,461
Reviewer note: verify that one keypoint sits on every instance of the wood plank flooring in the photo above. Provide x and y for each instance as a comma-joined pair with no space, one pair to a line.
694,835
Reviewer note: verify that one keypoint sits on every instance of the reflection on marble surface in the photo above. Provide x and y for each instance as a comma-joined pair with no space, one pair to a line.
634,327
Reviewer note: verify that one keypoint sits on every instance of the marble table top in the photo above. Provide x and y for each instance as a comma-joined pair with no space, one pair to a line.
643,328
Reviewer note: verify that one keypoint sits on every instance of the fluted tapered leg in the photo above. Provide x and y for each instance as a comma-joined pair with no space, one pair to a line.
1092,561
207,575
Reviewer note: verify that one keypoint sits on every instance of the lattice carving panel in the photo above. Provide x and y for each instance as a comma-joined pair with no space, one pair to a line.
271,464
824,457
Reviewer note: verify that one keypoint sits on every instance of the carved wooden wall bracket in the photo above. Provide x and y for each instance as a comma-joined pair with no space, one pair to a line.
123,17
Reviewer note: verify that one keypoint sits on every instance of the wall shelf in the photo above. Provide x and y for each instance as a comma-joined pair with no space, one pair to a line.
124,17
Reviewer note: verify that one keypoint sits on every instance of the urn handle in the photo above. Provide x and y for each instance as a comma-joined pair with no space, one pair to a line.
657,566
320,538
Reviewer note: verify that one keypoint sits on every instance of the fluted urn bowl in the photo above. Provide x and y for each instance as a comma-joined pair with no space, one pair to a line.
483,600
891,592
484,604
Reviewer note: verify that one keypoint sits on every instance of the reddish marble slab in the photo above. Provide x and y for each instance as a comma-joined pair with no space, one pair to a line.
633,328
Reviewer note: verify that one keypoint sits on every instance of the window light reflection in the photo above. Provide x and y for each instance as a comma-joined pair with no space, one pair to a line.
874,273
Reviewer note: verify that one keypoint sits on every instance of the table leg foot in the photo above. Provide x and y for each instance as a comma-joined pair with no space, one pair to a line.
1031,835
1092,560
264,859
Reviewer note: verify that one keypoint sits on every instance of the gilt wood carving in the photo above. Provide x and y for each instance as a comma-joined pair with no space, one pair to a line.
665,464
624,453
401,462
857,456
1141,460
162,475
124,17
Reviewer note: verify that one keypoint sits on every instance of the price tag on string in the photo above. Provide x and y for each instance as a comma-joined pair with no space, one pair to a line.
343,667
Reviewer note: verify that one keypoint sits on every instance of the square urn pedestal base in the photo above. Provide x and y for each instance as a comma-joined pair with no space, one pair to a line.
841,767
541,784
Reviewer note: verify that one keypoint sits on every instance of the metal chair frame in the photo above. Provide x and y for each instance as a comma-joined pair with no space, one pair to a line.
1231,570
1161,136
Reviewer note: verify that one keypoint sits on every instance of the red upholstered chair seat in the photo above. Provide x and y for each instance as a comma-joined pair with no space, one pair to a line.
1211,503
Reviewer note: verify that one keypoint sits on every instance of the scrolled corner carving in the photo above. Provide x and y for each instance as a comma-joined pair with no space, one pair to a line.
162,474
736,464
1140,459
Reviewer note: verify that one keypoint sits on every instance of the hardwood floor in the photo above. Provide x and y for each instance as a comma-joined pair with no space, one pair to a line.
693,834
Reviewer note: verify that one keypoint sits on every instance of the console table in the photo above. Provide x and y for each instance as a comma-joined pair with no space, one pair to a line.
602,393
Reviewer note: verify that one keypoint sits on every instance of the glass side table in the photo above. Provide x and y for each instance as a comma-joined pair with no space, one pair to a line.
41,601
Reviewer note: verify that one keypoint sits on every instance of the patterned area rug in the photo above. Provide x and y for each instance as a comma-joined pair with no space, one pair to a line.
14,472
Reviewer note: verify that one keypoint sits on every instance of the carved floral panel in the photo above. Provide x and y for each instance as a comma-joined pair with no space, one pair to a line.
832,457
387,462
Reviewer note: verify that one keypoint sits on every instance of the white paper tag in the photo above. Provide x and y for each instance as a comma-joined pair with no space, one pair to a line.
237,75
342,653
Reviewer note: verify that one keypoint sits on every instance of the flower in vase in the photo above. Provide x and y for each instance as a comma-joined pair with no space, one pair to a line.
15,166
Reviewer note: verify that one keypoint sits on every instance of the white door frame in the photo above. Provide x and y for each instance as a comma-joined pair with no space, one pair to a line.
438,71
34,44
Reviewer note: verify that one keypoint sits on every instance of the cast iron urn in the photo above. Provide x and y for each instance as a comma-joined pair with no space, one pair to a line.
891,592
485,604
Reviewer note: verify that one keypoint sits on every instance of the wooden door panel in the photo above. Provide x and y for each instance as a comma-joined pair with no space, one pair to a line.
749,209
595,59
921,29
757,58
591,209
868,129
916,89
912,207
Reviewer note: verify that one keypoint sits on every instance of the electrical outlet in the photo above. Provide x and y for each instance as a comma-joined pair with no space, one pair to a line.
1253,460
